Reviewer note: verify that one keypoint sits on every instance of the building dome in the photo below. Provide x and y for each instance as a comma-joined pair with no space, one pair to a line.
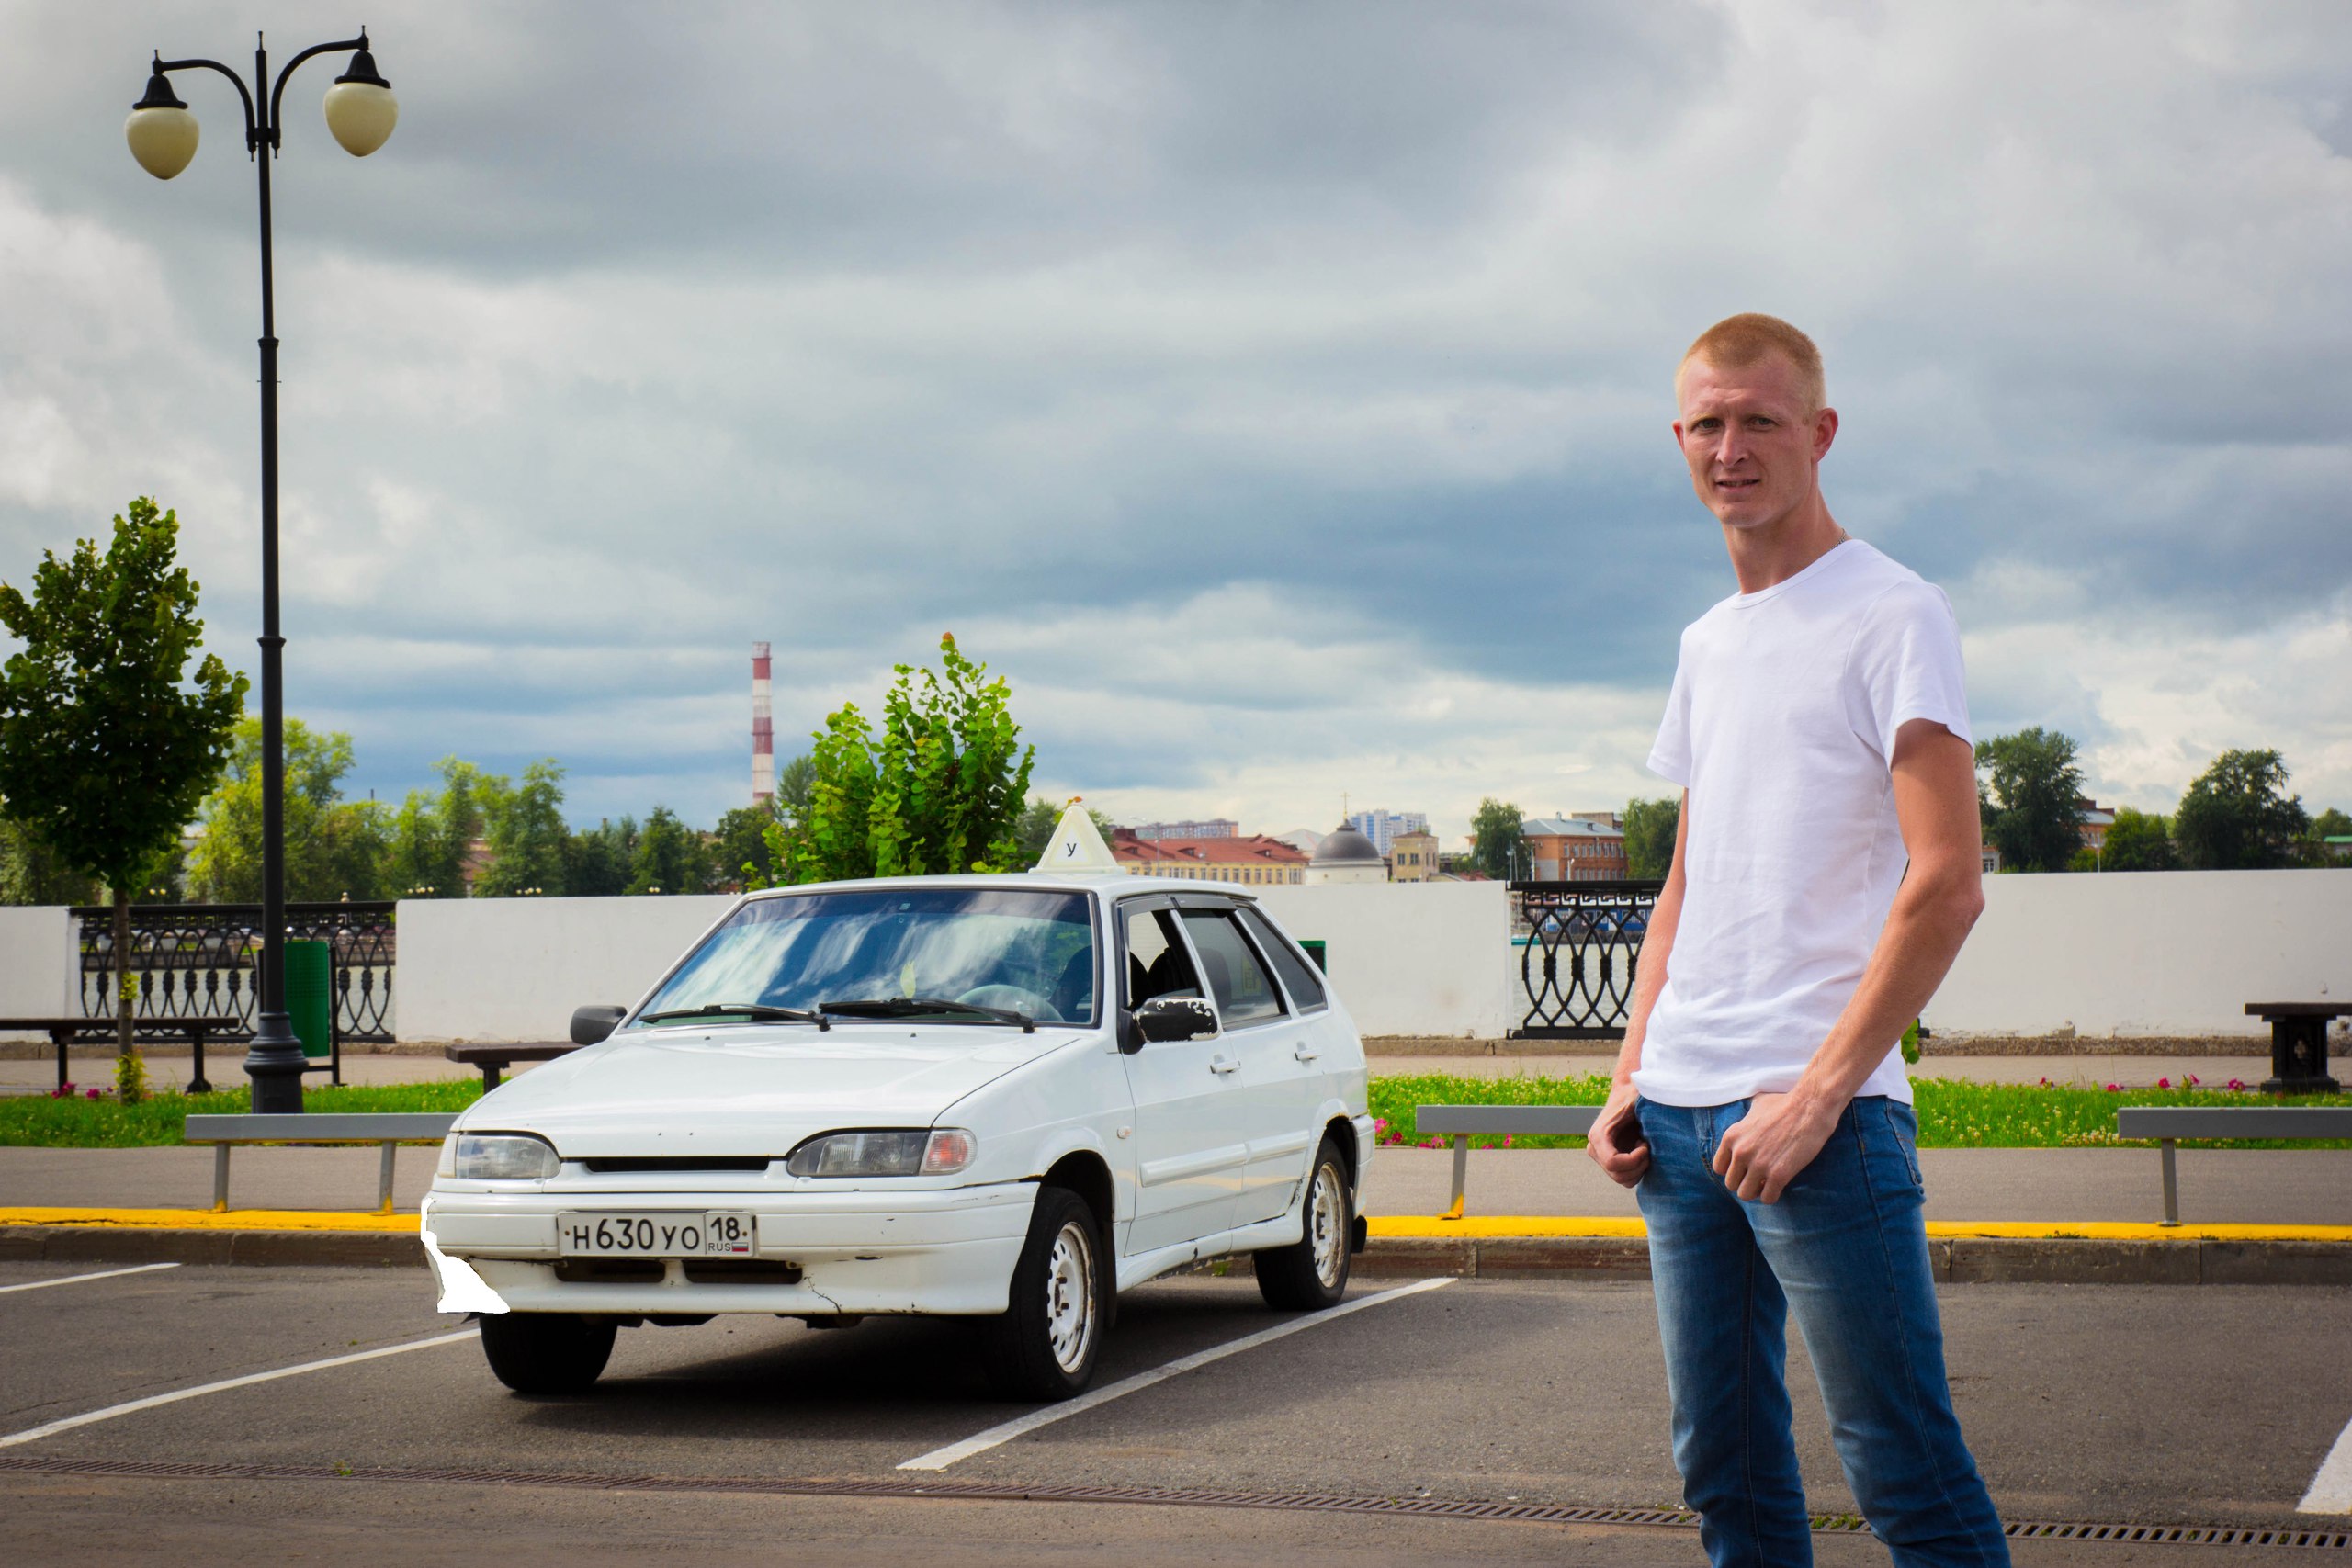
1345,846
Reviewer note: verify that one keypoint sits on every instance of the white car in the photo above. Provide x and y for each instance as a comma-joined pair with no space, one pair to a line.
996,1097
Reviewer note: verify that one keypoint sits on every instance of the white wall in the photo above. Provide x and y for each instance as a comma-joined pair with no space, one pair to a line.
500,969
2172,953
39,965
1412,958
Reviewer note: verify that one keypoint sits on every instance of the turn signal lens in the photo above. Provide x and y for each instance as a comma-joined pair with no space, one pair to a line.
949,1151
505,1156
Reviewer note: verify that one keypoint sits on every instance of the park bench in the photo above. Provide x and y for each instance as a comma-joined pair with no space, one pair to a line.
494,1060
2170,1124
1461,1122
65,1032
2298,1044
390,1128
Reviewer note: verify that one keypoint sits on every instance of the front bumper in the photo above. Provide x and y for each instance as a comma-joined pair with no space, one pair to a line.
948,1251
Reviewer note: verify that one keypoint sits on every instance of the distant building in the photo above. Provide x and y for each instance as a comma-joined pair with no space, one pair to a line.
1573,849
1215,828
1254,862
1413,857
1346,855
1302,840
2095,820
1381,827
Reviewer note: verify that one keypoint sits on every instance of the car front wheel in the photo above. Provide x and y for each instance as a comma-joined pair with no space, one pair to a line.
1312,1272
1044,1345
546,1352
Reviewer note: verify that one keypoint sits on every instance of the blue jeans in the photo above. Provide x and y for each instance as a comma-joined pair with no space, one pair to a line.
1846,1247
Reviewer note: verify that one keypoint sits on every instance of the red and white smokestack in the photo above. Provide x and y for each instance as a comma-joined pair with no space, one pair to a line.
762,729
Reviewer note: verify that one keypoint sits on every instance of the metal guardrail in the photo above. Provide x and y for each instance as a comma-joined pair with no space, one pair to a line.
2170,1124
1583,941
1459,1122
389,1128
198,960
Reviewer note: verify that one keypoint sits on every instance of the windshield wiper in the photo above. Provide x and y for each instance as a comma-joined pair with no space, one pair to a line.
907,1007
758,1012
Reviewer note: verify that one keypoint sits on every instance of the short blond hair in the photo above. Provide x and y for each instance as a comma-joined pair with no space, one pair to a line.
1737,342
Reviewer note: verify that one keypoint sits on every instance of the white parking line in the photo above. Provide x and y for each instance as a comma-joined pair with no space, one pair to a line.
980,1442
2331,1490
152,1400
77,1279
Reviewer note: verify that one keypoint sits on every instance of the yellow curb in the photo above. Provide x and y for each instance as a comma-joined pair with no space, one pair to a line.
206,1220
1498,1226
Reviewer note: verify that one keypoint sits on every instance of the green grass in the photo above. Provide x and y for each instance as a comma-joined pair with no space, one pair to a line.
37,1122
1953,1113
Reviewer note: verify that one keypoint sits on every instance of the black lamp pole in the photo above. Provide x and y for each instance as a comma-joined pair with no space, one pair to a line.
276,1062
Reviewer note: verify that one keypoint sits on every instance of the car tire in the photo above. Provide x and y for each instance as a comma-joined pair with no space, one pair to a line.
1312,1272
546,1352
1044,1345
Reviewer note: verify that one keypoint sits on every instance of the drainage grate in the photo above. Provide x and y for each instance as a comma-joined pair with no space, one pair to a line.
1179,1497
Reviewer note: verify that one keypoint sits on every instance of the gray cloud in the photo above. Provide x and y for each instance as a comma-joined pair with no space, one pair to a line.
655,332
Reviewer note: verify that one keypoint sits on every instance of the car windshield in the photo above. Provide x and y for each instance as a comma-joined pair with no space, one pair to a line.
984,948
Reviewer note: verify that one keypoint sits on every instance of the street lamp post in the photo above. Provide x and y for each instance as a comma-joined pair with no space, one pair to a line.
360,113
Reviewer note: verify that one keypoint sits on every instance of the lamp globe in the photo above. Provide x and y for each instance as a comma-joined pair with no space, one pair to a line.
161,131
360,109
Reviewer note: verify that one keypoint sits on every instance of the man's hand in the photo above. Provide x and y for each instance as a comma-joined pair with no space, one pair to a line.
1762,1152
1623,1167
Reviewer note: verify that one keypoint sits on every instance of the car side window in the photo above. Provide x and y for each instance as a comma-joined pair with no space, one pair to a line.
1157,964
1299,977
1239,984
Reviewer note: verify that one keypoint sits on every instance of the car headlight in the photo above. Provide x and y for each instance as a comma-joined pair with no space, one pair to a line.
911,1152
504,1156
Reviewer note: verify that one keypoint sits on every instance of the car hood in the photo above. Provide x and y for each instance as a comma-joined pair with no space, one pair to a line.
752,1090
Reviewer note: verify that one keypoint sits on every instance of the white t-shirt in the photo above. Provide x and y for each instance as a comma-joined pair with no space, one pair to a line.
1781,726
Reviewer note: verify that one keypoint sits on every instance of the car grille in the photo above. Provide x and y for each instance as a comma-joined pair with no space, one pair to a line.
679,1165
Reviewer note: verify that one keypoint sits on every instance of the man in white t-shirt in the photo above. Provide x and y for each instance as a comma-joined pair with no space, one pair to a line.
1826,873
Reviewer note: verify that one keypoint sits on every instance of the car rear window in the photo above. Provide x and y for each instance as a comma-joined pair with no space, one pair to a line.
1300,978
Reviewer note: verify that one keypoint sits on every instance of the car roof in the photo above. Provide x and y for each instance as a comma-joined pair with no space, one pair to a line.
1109,884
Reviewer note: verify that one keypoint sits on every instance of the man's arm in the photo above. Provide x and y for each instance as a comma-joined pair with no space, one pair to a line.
1625,1166
1935,801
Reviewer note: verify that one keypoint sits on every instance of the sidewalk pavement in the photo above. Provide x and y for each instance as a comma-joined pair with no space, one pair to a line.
2083,1072
2295,1187
225,1065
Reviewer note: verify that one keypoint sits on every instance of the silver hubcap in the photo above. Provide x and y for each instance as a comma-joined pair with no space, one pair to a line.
1327,1225
1070,1297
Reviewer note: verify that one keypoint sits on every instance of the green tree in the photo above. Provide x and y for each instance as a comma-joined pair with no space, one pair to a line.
334,848
670,856
741,856
596,862
108,739
430,840
526,834
1497,843
1035,828
2238,816
1650,827
793,783
940,789
2329,824
2033,813
32,873
2137,840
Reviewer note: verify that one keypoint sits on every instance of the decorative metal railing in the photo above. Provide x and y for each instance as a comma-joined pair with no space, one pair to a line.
197,961
1582,941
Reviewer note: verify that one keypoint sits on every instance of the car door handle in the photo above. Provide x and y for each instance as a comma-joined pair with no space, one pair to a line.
1221,1063
1302,1053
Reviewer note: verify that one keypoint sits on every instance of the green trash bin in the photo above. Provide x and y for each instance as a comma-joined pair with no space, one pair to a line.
1314,947
309,995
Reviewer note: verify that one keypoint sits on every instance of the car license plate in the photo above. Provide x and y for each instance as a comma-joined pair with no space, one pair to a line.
672,1234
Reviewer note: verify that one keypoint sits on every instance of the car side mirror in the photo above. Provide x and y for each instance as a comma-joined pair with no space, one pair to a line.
594,1025
1164,1019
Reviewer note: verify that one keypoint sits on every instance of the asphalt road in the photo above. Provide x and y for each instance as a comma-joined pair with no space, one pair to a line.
2206,1404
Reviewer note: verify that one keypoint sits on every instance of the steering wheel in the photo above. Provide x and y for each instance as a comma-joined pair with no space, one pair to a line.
1019,999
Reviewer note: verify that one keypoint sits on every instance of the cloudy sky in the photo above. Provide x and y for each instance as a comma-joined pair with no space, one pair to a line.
1276,393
